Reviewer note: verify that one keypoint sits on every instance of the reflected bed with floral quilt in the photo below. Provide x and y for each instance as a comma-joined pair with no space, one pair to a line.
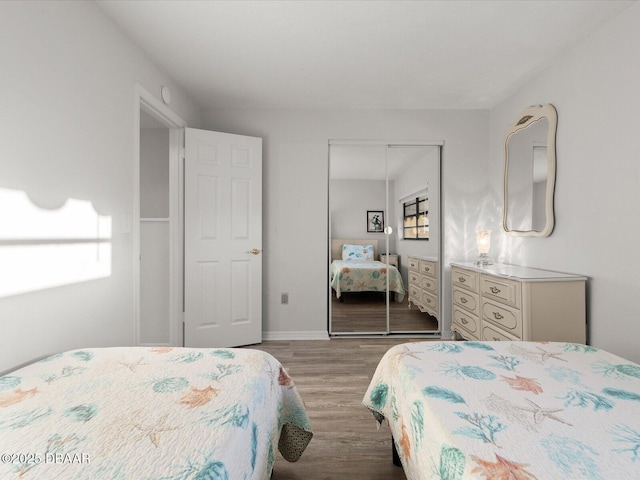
365,276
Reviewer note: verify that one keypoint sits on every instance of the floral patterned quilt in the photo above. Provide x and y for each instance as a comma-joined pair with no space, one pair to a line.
365,276
510,410
149,413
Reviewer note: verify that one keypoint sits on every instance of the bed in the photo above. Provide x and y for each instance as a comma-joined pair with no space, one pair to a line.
354,269
150,413
509,410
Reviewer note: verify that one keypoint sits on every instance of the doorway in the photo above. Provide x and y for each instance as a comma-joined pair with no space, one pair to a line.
157,220
183,295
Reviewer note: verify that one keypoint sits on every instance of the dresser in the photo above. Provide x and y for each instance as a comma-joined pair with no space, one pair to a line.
423,284
508,302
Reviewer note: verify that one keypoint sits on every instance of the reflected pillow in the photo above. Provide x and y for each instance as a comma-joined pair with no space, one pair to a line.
362,253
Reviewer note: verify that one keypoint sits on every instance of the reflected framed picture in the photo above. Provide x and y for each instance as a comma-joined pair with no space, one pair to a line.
375,221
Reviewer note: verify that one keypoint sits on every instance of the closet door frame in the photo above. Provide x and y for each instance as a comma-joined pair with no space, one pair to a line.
145,100
386,144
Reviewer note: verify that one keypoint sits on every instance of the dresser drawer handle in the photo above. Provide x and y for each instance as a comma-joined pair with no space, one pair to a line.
497,316
463,320
428,300
462,279
463,300
496,339
427,269
428,285
495,290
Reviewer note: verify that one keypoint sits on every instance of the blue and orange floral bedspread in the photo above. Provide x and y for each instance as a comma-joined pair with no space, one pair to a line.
510,410
150,413
365,276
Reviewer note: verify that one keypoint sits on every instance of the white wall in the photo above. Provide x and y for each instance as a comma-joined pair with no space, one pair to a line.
350,201
154,172
67,99
423,172
595,90
295,174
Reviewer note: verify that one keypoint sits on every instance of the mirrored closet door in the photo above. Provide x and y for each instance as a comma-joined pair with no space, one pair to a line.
384,229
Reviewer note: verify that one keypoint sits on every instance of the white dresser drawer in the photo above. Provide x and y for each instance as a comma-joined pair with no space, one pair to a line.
466,300
503,317
428,283
429,300
490,334
428,268
501,289
415,293
466,320
423,284
414,264
464,279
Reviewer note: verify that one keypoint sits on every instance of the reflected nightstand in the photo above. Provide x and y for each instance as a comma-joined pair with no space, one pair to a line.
393,259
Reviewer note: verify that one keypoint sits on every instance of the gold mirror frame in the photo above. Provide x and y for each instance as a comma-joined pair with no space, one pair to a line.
530,116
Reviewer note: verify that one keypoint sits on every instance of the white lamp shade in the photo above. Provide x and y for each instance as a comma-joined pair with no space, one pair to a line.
483,239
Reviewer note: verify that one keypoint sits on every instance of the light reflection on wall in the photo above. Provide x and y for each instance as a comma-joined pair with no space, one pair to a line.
42,248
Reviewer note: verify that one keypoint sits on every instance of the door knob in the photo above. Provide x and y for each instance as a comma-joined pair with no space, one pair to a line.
254,251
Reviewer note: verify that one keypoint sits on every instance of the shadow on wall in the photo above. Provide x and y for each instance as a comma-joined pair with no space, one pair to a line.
461,222
42,248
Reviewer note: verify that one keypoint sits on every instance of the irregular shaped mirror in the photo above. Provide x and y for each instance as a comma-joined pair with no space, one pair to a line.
529,173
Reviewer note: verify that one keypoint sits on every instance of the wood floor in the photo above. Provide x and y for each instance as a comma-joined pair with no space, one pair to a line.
366,312
332,377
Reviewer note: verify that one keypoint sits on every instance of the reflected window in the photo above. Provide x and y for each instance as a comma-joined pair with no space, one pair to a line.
416,219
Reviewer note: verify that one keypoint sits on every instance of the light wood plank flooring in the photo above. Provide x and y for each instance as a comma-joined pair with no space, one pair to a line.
366,312
332,377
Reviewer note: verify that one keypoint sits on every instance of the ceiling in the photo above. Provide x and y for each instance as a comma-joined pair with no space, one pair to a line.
356,54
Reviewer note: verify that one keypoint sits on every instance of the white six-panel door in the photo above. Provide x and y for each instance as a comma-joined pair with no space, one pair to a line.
223,239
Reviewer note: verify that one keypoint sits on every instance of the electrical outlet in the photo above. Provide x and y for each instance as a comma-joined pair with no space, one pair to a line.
284,298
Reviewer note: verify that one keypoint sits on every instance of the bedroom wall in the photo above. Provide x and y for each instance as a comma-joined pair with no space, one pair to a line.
594,88
423,173
68,76
295,162
350,200
154,172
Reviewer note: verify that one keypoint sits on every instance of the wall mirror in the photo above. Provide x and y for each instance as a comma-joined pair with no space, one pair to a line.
529,173
382,179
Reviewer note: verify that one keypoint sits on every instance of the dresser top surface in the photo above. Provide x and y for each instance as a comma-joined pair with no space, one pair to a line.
525,274
423,257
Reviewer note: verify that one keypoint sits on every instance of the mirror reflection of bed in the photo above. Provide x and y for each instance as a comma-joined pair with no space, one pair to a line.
359,296
382,177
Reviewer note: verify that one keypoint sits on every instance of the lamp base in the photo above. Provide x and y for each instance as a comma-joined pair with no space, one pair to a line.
483,260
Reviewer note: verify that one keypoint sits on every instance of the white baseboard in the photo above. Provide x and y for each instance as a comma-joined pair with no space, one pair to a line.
323,335
304,335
